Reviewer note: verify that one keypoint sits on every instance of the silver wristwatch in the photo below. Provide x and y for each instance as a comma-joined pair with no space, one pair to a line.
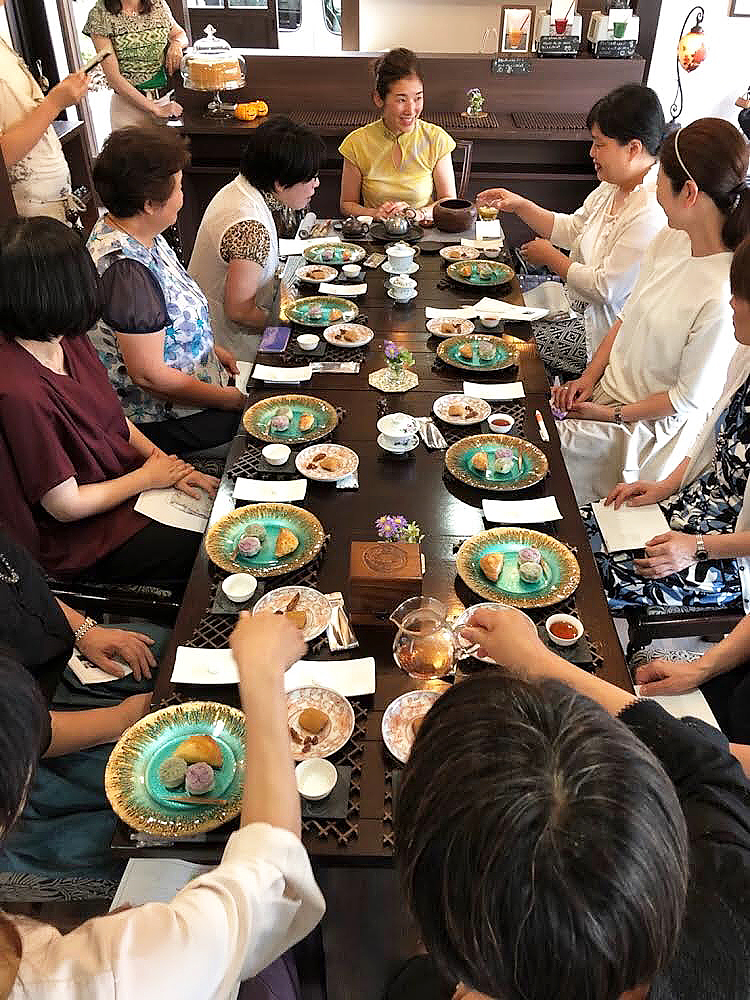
86,625
618,418
700,549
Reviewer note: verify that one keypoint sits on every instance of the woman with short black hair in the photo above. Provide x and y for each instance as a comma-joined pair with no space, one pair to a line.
71,465
608,234
154,336
236,251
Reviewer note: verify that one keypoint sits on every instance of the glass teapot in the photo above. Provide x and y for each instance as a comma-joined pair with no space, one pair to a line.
426,645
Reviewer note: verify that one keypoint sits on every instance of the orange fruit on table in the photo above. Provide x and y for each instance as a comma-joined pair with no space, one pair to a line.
262,107
245,112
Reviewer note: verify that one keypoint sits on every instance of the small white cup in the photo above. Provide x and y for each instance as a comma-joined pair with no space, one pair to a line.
500,423
351,270
491,253
316,778
367,219
276,454
490,321
239,587
398,429
569,620
308,341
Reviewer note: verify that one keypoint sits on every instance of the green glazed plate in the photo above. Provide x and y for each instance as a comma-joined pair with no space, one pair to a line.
480,273
223,535
257,419
506,356
561,572
340,253
131,780
332,310
531,468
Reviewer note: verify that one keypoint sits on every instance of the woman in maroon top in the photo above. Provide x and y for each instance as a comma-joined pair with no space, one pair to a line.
71,464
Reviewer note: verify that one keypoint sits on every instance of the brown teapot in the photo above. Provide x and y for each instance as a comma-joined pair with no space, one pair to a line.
352,227
454,215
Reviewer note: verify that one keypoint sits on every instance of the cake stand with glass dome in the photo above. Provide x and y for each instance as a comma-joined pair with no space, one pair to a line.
212,65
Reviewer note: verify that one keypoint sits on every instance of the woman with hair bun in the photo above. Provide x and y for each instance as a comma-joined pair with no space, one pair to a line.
608,234
641,402
399,161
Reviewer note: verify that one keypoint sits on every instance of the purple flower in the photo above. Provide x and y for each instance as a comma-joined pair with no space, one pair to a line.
390,527
392,351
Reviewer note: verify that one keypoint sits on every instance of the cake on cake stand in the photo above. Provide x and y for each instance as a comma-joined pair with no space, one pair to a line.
213,66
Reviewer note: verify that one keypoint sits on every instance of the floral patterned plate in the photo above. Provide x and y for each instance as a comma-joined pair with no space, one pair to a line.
223,536
321,310
396,726
258,418
529,468
473,410
457,253
348,335
309,461
335,734
480,273
334,253
314,604
561,574
504,356
131,779
314,274
447,326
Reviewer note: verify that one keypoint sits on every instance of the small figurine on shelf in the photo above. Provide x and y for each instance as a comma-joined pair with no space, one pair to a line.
476,101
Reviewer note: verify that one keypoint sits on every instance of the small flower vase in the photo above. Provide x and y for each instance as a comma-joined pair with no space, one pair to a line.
395,374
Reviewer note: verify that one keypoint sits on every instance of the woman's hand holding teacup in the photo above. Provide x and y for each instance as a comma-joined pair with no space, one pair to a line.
500,198
509,637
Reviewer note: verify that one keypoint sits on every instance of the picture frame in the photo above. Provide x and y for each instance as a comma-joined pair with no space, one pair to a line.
739,8
516,33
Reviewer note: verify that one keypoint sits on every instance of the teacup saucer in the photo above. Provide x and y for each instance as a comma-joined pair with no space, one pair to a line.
407,298
413,443
389,269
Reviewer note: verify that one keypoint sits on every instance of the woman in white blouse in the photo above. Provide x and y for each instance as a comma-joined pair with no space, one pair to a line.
641,402
608,234
226,925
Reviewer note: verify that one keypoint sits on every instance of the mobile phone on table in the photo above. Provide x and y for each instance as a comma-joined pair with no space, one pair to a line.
95,60
374,260
275,339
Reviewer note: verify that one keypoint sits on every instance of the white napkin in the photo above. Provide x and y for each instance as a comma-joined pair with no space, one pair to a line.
463,312
511,390
240,380
272,373
260,490
175,508
89,674
521,511
506,310
348,482
484,244
488,229
204,666
296,246
629,527
691,703
345,291
550,295
349,677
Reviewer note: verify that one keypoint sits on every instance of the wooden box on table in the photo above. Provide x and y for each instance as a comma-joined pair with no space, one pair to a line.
381,576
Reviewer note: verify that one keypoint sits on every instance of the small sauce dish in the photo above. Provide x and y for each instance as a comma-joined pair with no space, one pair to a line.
500,423
564,630
490,321
351,270
239,587
316,778
276,454
308,341
491,253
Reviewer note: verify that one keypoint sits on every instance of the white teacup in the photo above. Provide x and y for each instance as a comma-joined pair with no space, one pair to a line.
351,270
398,429
400,257
308,341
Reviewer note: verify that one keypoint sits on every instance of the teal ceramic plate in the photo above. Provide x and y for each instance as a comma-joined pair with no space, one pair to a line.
561,572
321,310
222,538
504,356
334,253
480,273
530,467
131,780
257,419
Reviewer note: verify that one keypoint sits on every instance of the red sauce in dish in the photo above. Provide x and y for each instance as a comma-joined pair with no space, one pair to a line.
563,630
501,423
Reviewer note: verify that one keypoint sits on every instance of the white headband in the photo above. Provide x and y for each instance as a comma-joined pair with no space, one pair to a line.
679,158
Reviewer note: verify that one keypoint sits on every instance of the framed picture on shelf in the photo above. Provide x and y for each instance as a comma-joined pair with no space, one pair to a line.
516,29
739,8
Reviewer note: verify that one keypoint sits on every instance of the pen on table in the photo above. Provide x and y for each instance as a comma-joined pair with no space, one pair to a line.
542,426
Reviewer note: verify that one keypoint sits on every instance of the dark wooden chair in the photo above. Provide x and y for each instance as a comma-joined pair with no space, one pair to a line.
645,625
102,600
466,146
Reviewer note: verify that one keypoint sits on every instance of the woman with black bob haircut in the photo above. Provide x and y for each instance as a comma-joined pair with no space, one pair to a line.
608,234
71,464
154,336
558,837
236,251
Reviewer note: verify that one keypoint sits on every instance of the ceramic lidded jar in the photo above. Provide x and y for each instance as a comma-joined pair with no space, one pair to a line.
400,257
454,215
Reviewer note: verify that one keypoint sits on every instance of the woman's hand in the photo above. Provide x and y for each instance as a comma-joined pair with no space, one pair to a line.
265,643
424,217
168,109
162,470
637,494
69,91
501,199
133,708
539,252
509,637
577,391
389,208
173,57
668,553
99,645
592,411
195,481
226,359
670,677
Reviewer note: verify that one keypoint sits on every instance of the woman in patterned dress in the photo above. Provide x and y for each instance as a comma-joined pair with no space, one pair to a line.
704,559
155,337
146,44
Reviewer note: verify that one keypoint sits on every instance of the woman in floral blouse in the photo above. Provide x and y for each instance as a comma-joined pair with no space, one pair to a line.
155,337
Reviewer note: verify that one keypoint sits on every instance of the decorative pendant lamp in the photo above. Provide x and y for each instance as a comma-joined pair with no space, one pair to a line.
691,51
